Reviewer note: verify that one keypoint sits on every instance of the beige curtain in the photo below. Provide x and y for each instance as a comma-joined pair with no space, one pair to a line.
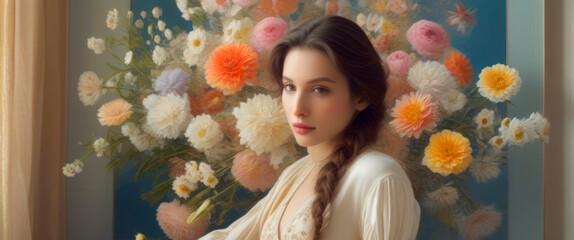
33,43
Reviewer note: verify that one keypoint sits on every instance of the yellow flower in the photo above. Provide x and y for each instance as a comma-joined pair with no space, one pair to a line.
114,113
448,152
498,83
140,236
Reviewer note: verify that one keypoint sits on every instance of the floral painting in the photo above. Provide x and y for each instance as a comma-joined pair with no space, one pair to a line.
196,135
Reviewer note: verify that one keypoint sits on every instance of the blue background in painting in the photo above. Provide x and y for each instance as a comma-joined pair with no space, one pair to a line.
484,45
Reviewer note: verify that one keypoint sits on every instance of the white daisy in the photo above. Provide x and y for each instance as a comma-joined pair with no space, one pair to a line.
68,171
97,45
168,116
262,124
485,167
203,132
113,19
238,31
161,25
497,143
230,31
159,55
431,77
90,88
156,12
442,197
210,181
101,147
519,132
183,186
452,101
128,57
375,22
484,119
537,122
196,41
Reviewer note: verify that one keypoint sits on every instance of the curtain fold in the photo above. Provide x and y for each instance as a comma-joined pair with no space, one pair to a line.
32,133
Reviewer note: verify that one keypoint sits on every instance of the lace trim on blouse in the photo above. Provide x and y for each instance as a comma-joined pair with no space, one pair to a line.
299,227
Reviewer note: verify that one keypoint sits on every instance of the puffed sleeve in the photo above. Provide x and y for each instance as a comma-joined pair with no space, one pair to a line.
390,211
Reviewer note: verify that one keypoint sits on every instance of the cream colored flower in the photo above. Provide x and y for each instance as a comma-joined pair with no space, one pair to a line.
143,14
128,57
452,101
130,129
183,186
361,20
139,24
375,22
484,119
181,5
497,143
113,19
203,132
192,170
196,41
68,171
168,116
168,34
238,31
101,147
442,197
161,25
140,236
262,124
519,132
431,77
485,167
210,181
156,12
156,39
480,224
498,83
141,140
90,88
159,55
97,45
77,166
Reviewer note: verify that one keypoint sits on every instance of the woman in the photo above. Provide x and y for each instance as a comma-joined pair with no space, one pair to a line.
333,86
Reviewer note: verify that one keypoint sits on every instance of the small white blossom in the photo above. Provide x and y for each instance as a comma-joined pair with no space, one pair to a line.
97,45
161,25
143,14
159,55
101,147
183,186
68,171
168,34
156,12
128,57
157,39
139,23
113,19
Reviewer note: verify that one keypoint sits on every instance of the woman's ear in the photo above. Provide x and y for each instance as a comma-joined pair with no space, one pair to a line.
360,104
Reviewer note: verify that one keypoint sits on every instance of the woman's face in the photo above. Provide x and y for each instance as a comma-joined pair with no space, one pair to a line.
316,98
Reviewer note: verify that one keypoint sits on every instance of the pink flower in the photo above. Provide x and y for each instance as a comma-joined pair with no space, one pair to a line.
254,171
267,32
428,38
244,3
413,113
171,218
480,224
399,62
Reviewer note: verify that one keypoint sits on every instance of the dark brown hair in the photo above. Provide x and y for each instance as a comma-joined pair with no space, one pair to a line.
350,50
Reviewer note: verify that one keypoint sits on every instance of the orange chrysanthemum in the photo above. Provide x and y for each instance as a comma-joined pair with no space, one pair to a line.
213,101
413,113
448,152
114,113
230,66
281,8
460,67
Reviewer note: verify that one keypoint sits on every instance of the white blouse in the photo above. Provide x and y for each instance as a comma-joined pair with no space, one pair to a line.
373,200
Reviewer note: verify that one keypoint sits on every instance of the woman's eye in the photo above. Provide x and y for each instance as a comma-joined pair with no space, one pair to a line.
320,90
289,87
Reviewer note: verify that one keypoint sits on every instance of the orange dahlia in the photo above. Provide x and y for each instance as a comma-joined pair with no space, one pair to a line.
413,113
230,66
213,101
460,67
448,152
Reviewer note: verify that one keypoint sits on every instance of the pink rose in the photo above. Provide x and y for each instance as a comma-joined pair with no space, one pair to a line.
428,38
399,62
267,32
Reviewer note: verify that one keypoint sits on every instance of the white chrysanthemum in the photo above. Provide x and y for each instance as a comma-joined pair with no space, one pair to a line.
161,25
442,197
130,129
190,59
168,116
101,147
90,88
192,170
113,19
484,119
97,45
485,167
168,34
183,186
181,5
230,30
452,101
128,57
156,39
196,41
497,143
130,79
68,171
145,141
537,122
519,132
262,124
238,31
159,55
431,77
156,12
375,22
203,132
143,14
361,20
139,23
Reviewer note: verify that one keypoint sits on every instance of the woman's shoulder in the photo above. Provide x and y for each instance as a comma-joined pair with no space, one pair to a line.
373,164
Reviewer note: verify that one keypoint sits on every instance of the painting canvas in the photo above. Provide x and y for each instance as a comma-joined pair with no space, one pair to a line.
475,28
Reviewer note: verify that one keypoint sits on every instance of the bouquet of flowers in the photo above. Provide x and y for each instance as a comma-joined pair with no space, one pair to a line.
196,110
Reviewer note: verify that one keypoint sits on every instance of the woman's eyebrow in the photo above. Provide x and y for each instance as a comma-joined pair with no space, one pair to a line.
316,80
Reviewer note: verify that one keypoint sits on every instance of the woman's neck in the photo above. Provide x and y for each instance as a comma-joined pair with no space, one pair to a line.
320,154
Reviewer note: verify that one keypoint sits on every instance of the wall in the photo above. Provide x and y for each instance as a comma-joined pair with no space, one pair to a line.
89,194
559,107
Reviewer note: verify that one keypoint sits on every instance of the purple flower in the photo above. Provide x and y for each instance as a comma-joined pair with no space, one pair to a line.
172,81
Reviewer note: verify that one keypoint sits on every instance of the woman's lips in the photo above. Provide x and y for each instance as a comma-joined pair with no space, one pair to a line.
301,128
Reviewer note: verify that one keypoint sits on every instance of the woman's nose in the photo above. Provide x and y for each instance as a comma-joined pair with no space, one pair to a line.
300,105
